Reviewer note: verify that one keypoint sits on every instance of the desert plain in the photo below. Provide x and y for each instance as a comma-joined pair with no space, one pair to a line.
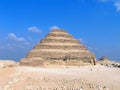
98,77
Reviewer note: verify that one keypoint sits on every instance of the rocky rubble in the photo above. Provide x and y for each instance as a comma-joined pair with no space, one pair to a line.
107,62
32,83
7,63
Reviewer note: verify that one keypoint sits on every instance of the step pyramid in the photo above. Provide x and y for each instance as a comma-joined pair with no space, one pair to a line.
59,48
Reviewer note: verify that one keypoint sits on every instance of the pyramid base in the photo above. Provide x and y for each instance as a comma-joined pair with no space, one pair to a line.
38,62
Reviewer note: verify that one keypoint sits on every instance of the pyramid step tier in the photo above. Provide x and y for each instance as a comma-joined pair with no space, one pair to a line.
61,44
58,50
77,47
59,41
58,32
32,61
59,35
58,38
48,54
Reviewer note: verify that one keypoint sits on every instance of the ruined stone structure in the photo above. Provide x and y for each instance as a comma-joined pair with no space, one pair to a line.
59,48
104,58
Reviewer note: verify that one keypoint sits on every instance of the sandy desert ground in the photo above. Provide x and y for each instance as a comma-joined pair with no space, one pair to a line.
63,78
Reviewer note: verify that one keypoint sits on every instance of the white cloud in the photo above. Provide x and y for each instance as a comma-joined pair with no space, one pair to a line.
117,5
14,37
34,29
54,27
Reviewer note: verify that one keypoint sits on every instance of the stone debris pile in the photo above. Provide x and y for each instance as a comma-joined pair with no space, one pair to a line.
8,63
107,62
31,83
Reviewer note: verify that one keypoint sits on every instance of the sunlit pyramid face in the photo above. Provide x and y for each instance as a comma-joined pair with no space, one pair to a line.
59,47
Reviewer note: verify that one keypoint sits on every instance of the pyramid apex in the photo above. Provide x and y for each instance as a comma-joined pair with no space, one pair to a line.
58,30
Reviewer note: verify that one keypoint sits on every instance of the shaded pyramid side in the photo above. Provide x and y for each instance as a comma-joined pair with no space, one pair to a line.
58,46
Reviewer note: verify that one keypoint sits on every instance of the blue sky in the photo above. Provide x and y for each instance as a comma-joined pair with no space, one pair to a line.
24,22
